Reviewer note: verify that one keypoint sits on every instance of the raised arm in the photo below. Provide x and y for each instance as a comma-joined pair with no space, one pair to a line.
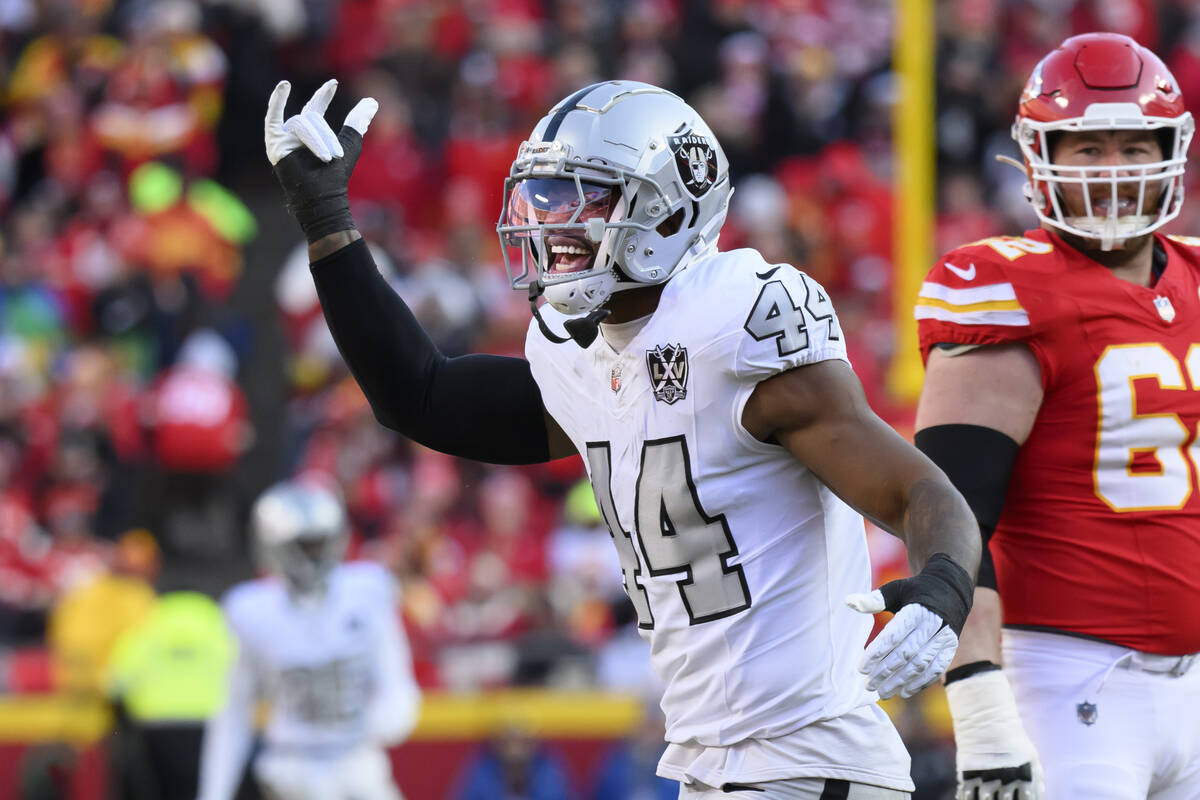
819,413
482,407
976,411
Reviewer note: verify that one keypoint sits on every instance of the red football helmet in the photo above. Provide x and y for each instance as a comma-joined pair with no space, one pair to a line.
1103,81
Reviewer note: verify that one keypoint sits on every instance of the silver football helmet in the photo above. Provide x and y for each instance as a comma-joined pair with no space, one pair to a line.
301,532
619,186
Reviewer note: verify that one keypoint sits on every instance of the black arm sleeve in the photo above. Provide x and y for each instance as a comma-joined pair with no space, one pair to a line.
978,461
482,407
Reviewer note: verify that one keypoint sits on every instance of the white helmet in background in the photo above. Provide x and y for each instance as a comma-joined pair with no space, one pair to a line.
619,186
301,532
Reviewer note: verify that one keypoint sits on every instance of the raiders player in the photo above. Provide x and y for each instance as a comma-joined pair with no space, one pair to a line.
319,641
727,440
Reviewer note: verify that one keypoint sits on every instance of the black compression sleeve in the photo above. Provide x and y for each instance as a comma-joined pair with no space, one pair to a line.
482,407
978,461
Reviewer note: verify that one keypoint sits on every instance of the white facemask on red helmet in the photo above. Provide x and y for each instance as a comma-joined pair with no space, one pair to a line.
1102,82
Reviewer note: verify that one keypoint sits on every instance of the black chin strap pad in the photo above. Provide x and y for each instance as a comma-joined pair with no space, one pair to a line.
582,329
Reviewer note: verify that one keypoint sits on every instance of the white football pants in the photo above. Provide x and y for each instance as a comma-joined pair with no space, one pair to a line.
362,774
1109,723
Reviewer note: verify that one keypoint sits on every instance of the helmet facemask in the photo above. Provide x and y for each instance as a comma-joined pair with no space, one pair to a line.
305,561
566,223
1118,199
668,184
301,533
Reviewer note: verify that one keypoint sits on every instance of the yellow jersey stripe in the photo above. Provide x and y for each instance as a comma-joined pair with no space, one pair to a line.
988,305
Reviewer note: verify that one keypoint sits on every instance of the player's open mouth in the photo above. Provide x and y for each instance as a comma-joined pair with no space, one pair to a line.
569,254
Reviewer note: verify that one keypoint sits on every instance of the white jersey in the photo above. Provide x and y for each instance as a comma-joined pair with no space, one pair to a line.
736,557
335,672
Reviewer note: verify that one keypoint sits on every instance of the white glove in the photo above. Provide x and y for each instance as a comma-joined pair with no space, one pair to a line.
309,128
911,652
312,163
996,760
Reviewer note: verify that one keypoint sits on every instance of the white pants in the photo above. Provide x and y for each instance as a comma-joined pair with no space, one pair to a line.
361,774
793,789
1109,723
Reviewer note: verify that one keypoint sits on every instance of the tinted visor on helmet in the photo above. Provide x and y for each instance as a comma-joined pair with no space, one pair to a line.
550,217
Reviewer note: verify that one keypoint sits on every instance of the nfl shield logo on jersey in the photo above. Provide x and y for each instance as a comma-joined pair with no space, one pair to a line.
1087,712
668,372
696,161
1165,309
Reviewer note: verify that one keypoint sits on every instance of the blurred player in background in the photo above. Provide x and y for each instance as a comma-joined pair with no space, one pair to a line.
320,642
1062,396
727,440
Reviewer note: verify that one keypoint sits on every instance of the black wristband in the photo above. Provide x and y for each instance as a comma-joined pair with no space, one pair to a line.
967,670
316,191
942,586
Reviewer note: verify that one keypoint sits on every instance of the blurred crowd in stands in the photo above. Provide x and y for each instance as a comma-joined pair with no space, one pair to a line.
132,190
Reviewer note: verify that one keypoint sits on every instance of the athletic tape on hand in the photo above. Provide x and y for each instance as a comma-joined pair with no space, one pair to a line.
994,754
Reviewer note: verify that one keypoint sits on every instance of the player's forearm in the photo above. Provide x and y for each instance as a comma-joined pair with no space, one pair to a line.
938,520
481,407
328,245
227,743
395,714
228,738
980,639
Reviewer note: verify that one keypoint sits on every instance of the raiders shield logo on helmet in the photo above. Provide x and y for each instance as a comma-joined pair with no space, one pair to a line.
696,160
668,372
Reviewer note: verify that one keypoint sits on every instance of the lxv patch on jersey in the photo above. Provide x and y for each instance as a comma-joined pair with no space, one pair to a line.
668,366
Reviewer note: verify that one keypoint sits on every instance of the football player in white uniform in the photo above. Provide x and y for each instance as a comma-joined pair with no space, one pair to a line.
728,442
320,642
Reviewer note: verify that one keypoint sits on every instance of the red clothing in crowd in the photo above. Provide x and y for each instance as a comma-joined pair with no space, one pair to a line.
199,420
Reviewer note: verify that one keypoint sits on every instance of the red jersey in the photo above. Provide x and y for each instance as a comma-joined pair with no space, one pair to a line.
199,417
1100,531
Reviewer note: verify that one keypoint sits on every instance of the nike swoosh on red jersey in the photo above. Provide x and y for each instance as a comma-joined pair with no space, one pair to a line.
965,274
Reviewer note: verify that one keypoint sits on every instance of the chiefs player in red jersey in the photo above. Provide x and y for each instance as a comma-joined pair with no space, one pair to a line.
1062,397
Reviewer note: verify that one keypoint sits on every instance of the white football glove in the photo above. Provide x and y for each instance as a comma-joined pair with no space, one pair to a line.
995,760
309,128
312,163
910,653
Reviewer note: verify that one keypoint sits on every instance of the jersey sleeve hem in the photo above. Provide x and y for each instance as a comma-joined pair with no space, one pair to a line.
953,334
803,359
746,389
744,436
933,333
